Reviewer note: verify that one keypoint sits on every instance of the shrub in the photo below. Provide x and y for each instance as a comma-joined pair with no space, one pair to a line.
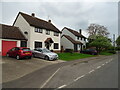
117,48
111,51
69,50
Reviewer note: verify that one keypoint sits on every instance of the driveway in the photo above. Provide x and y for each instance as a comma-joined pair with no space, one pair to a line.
13,69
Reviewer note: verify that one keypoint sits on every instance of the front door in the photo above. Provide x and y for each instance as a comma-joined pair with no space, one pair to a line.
75,48
48,47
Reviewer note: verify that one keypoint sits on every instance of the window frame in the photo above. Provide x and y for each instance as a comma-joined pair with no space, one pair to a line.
56,34
38,30
57,46
47,32
39,44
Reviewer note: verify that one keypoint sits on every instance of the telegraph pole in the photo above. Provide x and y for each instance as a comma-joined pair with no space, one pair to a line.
114,41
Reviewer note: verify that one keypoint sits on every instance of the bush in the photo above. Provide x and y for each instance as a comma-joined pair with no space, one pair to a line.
117,48
69,50
111,51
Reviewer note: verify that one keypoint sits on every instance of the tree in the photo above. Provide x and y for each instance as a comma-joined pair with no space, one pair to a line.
97,30
100,43
118,41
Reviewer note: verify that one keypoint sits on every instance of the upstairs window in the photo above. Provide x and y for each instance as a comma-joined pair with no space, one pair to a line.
81,38
84,39
77,38
56,34
39,30
48,32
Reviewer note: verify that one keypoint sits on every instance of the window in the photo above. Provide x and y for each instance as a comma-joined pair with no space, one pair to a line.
23,44
56,46
39,30
38,44
81,38
17,48
48,32
84,39
56,34
77,38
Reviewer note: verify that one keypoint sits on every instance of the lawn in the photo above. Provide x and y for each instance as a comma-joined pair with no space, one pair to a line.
106,53
73,56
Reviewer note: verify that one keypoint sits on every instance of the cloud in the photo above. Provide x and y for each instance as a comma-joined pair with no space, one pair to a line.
75,15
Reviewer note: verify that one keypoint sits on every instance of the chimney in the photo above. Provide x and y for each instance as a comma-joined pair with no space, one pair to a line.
49,21
33,14
80,31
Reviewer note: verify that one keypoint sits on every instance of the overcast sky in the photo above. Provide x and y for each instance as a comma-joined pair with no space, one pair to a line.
75,15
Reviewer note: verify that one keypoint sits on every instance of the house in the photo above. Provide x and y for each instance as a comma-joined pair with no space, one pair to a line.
10,37
40,33
72,39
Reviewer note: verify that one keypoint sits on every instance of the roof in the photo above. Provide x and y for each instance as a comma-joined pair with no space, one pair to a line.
36,22
74,32
72,40
11,32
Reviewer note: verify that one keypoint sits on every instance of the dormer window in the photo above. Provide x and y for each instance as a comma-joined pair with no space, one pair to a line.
77,38
39,30
48,32
56,34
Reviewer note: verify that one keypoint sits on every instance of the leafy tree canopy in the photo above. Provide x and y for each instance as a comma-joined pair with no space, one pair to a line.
100,43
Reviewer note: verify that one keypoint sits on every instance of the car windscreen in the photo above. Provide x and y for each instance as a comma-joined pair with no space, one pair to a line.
46,51
26,49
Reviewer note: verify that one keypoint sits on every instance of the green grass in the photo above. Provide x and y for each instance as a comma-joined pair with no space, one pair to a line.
106,53
73,56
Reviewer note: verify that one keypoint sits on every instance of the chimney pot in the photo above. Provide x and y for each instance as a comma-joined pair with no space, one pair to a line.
49,21
33,14
80,31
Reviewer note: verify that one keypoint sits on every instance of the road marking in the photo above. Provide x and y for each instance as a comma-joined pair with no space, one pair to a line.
62,86
50,78
106,62
79,77
103,64
98,67
91,71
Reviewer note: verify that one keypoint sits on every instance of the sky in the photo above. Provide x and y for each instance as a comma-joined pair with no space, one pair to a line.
73,14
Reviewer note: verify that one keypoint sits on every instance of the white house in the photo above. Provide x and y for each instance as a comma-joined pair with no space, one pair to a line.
10,37
72,39
40,33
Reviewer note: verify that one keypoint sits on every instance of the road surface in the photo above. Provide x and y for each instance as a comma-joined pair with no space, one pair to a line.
94,72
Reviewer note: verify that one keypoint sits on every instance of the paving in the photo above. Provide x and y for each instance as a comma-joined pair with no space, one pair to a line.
13,69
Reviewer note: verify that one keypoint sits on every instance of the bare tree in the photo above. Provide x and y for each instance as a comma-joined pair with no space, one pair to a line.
97,30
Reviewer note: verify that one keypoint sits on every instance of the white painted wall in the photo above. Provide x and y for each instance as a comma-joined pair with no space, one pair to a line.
34,36
41,37
66,32
24,26
66,43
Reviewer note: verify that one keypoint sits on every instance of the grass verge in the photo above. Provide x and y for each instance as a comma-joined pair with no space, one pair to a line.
72,56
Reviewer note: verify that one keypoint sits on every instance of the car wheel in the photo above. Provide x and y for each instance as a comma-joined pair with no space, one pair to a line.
46,58
18,57
30,57
7,55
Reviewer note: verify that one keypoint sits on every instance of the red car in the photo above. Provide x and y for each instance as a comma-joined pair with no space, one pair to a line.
19,52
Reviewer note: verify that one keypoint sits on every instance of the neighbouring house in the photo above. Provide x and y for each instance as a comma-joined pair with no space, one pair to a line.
40,33
10,37
72,39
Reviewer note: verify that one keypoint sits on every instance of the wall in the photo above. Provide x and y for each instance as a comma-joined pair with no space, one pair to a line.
66,43
24,26
41,37
66,32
